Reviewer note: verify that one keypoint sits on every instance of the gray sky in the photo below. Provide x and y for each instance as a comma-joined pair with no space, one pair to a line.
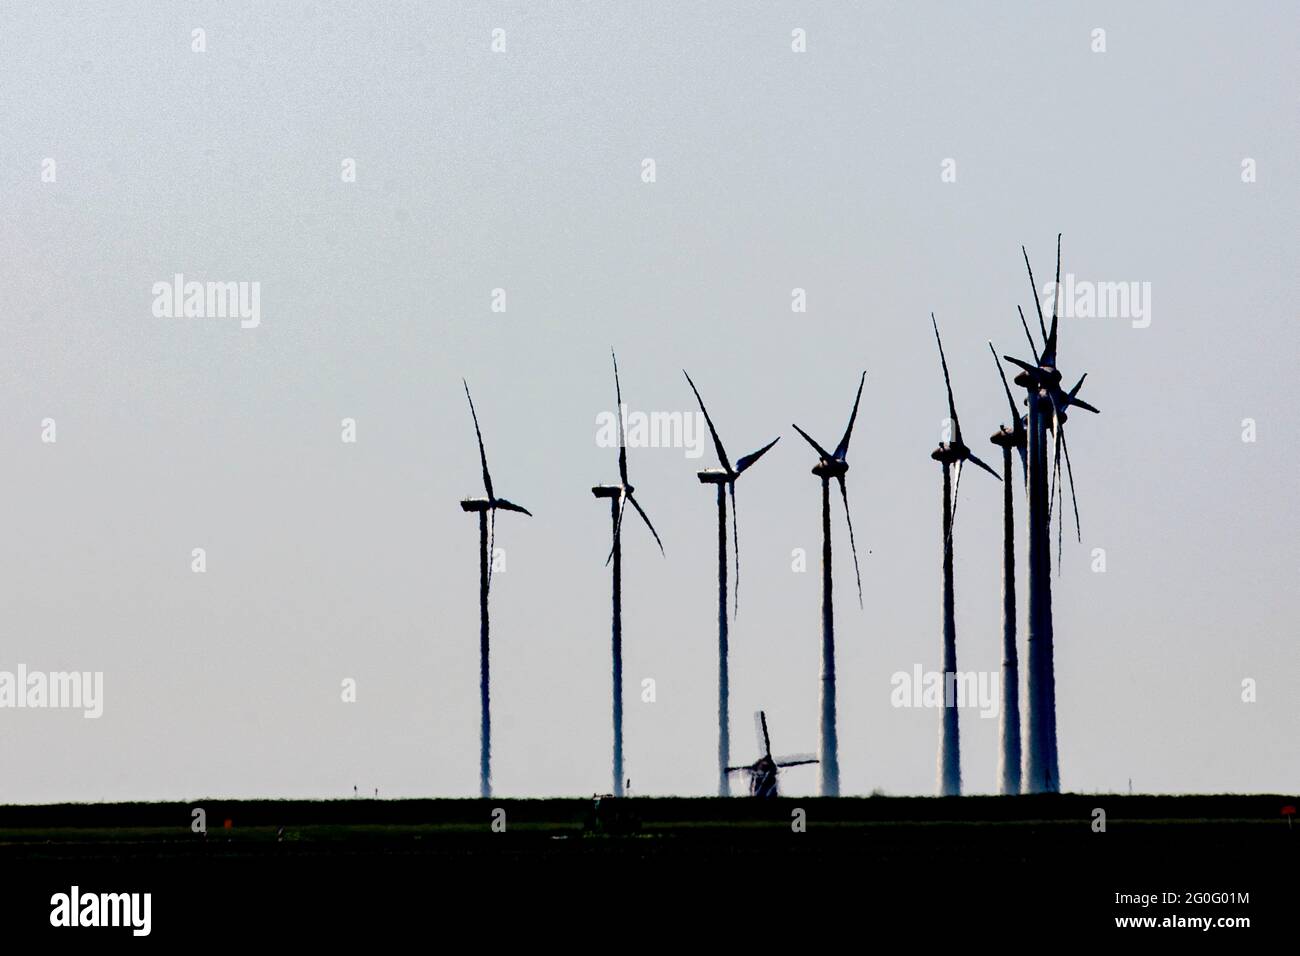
522,170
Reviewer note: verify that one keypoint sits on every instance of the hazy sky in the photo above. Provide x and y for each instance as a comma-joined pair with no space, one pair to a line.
522,170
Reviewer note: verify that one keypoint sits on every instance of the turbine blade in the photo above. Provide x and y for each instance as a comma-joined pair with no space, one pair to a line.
1015,412
747,460
717,442
1084,405
970,456
618,527
1037,304
1025,325
1024,464
492,543
952,405
1032,369
1049,350
808,438
844,493
646,519
618,413
482,454
760,730
767,741
952,515
1077,385
510,506
1069,471
735,538
842,448
796,760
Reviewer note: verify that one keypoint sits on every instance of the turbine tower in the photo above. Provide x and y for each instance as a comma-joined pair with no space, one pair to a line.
832,466
950,454
1047,403
619,496
487,509
1008,438
725,480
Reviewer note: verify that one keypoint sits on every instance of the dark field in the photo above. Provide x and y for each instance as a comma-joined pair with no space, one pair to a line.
338,866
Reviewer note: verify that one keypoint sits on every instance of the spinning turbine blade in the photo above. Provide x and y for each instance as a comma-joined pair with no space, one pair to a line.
1037,304
952,405
618,527
952,515
971,457
844,493
511,506
842,448
618,413
767,742
735,547
646,519
1049,350
717,442
819,449
1015,412
747,460
1069,471
487,479
1025,325
492,543
1031,369
1084,405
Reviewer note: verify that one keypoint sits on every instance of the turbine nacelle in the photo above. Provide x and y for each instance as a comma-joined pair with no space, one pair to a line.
1010,437
716,476
950,453
830,468
608,491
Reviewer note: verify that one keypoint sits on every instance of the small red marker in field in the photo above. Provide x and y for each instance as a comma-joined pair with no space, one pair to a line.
229,824
1288,812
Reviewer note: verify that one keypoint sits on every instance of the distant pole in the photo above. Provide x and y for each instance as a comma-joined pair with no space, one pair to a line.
1040,760
1009,772
485,727
830,761
724,691
949,741
618,653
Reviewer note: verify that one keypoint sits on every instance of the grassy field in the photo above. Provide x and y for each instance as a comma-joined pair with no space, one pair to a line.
879,857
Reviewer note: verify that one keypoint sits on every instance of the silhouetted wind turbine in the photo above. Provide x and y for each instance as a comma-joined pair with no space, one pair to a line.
1009,437
725,479
949,454
1047,403
832,466
487,510
620,495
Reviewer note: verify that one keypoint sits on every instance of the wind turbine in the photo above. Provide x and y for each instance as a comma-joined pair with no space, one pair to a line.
832,466
1047,403
725,480
619,496
763,771
950,454
1008,438
487,509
